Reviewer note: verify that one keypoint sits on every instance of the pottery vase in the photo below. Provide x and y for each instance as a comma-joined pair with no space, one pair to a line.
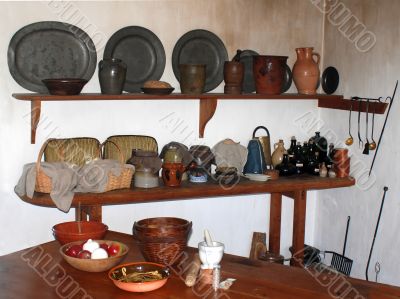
269,73
277,155
233,77
112,74
306,71
172,174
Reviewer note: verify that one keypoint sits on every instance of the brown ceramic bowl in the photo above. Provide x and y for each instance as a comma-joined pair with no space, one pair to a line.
97,265
64,86
116,274
67,232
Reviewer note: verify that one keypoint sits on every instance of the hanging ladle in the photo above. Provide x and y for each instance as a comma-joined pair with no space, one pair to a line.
366,146
372,145
349,141
360,142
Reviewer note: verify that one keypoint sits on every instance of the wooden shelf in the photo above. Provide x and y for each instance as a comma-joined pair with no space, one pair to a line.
207,102
191,190
345,104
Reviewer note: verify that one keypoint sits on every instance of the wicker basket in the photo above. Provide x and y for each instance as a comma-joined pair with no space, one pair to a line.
78,151
43,181
126,143
125,178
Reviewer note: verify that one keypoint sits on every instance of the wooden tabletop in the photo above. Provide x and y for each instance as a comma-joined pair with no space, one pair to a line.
40,272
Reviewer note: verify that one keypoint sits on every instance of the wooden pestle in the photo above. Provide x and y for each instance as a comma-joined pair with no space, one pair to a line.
193,271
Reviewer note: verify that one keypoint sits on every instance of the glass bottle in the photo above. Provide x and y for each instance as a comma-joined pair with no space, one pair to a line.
286,168
292,147
329,157
321,145
298,159
313,164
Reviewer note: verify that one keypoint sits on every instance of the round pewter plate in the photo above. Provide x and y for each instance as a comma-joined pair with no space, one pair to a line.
143,53
201,47
50,50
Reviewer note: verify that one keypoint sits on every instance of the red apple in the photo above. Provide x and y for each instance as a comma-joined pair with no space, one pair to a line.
84,254
74,250
114,249
104,246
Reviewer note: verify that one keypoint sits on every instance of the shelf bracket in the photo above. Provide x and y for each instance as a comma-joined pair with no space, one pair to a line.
35,116
207,110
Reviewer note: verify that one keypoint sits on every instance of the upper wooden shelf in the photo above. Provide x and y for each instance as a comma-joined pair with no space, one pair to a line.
207,102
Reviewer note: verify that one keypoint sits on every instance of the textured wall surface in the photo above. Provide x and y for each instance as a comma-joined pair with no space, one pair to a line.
370,73
268,27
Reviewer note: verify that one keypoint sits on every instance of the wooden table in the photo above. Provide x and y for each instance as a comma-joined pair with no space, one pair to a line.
89,205
40,272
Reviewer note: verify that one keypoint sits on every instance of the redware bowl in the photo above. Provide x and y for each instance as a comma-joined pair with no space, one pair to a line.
97,265
64,86
67,232
116,273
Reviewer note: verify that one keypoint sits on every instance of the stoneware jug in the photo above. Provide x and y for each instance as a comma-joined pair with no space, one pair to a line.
112,74
269,73
277,155
306,71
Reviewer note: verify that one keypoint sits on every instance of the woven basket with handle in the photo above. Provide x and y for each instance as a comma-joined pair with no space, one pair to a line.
125,178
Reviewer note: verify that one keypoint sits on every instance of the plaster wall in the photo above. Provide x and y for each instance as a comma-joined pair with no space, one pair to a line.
266,26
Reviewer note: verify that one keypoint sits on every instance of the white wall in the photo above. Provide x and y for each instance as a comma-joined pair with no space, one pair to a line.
371,74
269,27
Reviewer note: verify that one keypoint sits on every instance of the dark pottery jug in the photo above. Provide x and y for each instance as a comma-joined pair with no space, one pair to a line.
112,74
269,73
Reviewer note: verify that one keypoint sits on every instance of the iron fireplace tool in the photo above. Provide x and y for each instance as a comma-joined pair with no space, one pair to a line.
383,128
366,146
350,140
372,145
340,262
385,189
360,142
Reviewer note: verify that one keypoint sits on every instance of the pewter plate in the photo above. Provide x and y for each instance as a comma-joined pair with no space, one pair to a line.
201,47
143,53
50,50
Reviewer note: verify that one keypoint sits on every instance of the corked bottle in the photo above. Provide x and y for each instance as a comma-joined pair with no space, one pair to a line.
341,162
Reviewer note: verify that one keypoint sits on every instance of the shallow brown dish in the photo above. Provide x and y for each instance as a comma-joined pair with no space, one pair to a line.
67,232
116,274
94,265
64,86
157,91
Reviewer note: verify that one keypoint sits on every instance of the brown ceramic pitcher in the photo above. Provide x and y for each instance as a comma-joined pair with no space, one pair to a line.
269,73
306,71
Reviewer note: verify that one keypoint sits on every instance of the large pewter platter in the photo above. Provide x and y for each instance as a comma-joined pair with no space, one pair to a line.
50,50
143,53
201,47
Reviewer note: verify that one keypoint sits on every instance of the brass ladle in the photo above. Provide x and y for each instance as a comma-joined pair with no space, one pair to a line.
349,141
372,145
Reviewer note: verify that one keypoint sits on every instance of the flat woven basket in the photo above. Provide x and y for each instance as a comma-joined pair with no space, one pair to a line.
125,178
125,144
76,151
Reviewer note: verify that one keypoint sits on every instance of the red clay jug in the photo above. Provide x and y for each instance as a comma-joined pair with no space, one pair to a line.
269,72
306,71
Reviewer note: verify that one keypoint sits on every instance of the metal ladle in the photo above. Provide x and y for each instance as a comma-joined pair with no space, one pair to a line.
372,145
350,140
366,146
360,142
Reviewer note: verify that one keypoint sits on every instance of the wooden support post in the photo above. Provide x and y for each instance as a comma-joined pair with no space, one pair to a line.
299,224
275,223
207,110
88,213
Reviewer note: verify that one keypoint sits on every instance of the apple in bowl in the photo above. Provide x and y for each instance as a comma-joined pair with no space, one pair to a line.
94,255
